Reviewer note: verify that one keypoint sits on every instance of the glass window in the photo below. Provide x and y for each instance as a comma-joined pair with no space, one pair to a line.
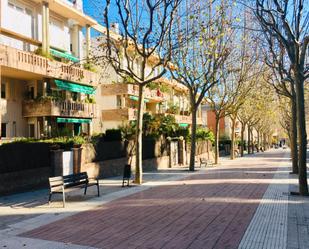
14,129
31,130
3,129
3,92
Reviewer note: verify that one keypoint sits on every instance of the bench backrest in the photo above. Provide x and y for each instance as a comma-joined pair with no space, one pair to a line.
203,160
75,179
56,183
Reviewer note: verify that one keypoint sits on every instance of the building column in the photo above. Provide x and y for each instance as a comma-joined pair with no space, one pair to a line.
75,40
45,28
88,41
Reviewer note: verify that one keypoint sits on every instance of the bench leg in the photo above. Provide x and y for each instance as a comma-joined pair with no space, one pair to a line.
85,192
49,198
63,198
98,186
128,184
122,182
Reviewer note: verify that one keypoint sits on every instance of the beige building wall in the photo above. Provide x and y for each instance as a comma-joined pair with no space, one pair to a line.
11,115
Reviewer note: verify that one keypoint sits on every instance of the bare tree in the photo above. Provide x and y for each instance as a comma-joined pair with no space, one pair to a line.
282,81
203,38
142,50
287,23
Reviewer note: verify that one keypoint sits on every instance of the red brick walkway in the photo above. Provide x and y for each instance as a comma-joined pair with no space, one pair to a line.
209,210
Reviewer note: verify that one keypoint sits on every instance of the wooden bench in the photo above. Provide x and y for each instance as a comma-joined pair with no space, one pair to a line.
203,162
58,184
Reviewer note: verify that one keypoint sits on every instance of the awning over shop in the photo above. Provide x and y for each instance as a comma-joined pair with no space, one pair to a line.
64,55
183,125
136,99
74,120
73,87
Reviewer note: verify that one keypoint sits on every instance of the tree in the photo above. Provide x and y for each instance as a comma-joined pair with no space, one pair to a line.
245,72
285,23
282,81
203,38
141,52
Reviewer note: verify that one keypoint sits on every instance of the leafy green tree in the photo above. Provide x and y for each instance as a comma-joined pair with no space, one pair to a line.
203,37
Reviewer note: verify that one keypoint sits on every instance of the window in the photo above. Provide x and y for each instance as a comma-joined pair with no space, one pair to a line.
31,130
3,129
31,92
119,102
3,95
16,7
14,129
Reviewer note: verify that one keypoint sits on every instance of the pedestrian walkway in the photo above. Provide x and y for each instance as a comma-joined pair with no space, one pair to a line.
241,204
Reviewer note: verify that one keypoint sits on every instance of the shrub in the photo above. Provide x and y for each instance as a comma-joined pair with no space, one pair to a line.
128,131
65,143
113,135
204,134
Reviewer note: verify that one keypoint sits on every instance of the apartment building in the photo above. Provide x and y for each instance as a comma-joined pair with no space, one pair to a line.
117,100
46,89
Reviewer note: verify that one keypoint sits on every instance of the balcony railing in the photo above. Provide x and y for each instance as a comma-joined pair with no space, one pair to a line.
121,88
44,108
32,63
121,114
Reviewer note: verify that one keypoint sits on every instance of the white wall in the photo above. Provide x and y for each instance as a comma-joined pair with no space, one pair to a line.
59,32
25,17
19,16
15,90
109,102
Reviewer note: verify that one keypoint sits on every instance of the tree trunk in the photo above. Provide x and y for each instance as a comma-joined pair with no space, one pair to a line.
242,147
302,136
264,142
249,140
233,139
217,132
139,136
293,137
193,138
258,142
252,141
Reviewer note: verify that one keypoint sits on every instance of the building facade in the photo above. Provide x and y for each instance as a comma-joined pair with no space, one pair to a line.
45,88
117,100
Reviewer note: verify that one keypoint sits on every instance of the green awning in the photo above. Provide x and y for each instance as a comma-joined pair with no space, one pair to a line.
64,55
136,99
183,125
74,120
73,87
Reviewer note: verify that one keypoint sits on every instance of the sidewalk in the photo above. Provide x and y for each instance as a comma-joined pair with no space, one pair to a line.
242,203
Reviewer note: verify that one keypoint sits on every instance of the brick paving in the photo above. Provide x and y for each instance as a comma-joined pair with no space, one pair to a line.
298,217
208,210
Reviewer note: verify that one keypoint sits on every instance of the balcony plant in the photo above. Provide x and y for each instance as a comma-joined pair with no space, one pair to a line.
90,100
90,67
40,52
173,108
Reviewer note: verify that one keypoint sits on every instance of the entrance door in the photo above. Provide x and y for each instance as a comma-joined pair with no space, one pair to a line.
174,152
77,129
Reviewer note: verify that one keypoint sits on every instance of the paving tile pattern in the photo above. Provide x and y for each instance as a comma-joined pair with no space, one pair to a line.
298,217
268,228
209,210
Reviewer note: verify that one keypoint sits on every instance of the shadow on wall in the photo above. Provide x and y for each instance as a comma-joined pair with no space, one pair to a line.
103,161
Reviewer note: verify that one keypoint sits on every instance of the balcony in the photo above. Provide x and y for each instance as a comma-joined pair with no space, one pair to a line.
123,114
48,107
128,89
27,62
